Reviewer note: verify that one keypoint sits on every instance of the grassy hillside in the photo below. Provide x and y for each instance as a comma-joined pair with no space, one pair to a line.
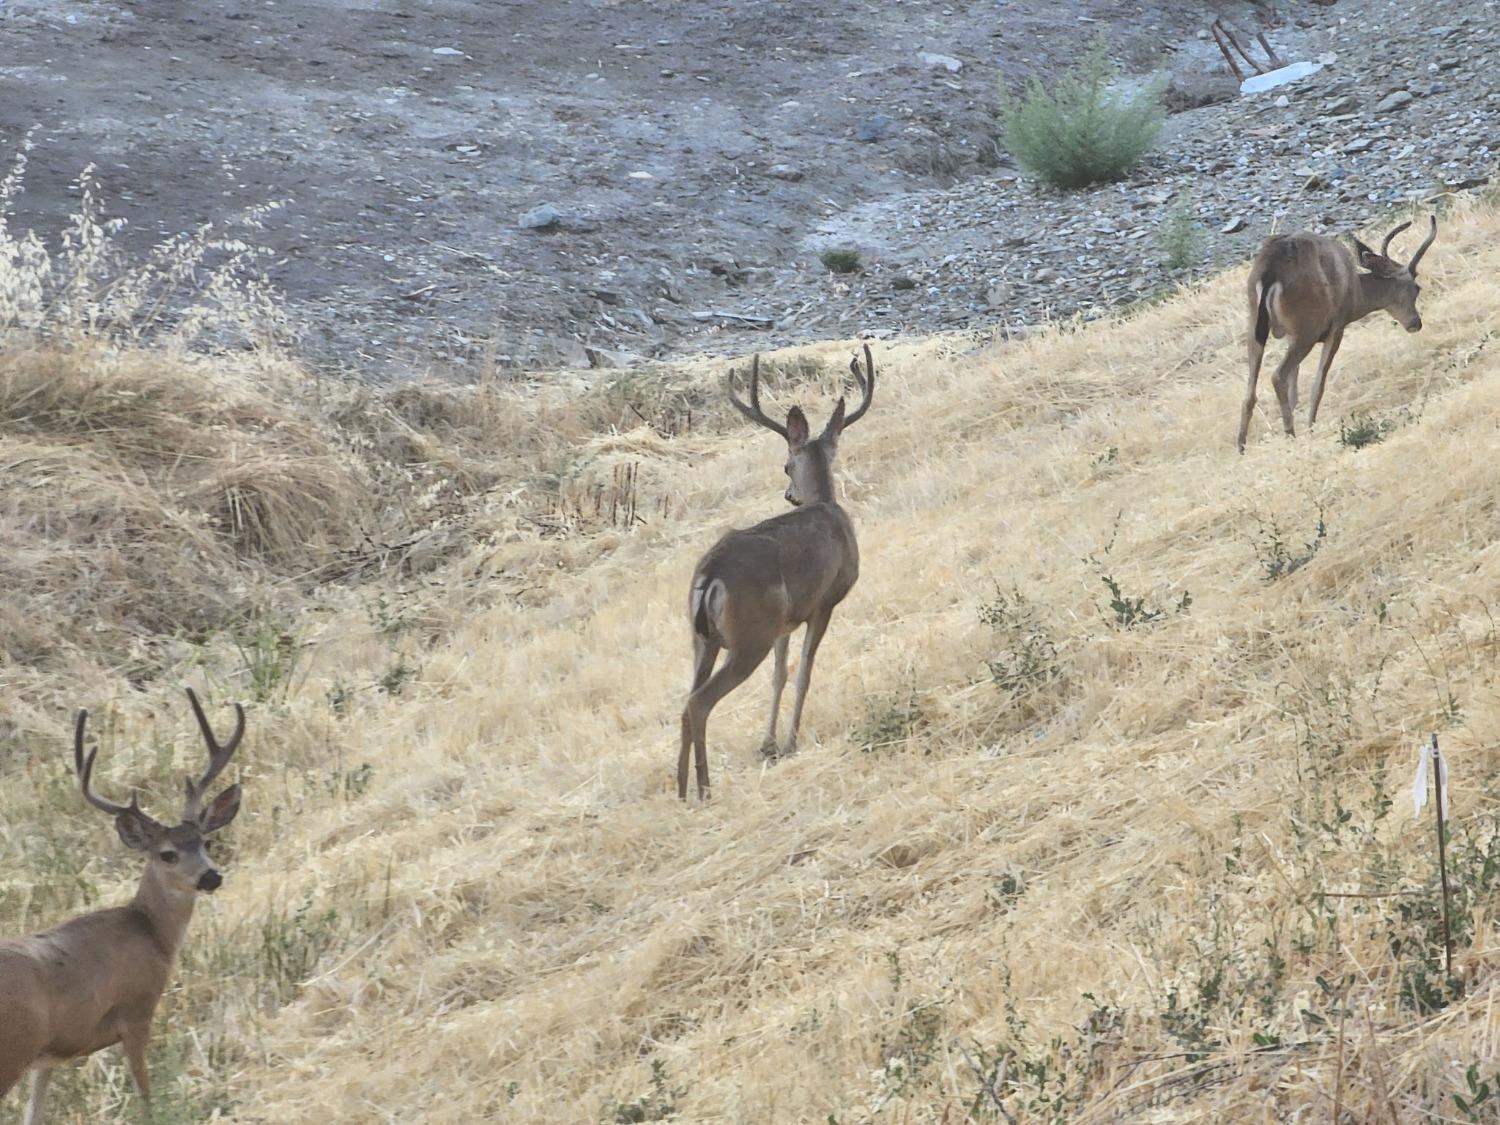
1112,716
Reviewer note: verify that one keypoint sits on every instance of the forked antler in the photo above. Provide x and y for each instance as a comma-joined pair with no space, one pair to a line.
753,411
866,386
218,756
83,766
1385,247
1225,40
1411,266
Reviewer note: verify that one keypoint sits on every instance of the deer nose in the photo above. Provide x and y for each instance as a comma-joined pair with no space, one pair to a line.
210,881
790,499
1415,326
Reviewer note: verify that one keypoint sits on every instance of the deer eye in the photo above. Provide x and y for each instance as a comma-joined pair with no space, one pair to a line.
169,856
787,468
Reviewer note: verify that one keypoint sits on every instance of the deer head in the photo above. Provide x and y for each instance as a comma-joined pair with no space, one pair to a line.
809,464
177,855
1396,290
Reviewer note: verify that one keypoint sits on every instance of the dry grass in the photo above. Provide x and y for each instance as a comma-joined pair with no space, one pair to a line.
462,888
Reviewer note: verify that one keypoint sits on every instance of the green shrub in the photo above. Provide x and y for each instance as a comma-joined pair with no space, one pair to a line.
841,259
1079,132
1181,235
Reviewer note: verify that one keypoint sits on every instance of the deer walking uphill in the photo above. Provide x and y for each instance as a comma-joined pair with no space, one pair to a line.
755,586
95,980
1307,287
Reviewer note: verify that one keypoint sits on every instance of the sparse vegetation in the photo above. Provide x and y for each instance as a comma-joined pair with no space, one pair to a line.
1277,557
1181,235
841,259
1084,129
1362,430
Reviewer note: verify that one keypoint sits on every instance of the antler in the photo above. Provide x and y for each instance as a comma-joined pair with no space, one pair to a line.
83,766
753,411
1386,245
1225,40
866,385
1411,266
218,756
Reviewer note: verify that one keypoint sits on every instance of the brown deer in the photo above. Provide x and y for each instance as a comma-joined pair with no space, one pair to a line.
95,980
1306,286
755,586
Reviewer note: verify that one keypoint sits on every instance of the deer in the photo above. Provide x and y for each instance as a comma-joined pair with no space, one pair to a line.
757,585
1306,286
95,980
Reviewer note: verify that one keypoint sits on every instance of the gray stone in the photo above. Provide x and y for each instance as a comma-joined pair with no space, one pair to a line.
945,62
1346,104
544,217
785,172
1396,99
1359,144
1234,225
873,129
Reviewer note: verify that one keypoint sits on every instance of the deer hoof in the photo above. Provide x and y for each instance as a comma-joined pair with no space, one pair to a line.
769,749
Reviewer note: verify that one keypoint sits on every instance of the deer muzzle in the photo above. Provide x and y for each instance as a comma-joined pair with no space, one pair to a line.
210,881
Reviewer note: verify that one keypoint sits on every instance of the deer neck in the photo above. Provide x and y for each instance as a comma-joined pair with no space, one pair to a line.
1375,293
169,909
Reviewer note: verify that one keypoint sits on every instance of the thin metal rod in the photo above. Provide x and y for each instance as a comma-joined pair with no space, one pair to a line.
1437,781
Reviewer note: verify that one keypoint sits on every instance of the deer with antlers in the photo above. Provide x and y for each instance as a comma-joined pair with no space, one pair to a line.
756,586
95,980
1307,287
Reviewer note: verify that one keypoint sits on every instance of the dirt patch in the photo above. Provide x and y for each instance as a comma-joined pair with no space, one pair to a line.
689,150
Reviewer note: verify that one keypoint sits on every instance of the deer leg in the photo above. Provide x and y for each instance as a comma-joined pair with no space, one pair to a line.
813,637
1285,382
1257,353
41,1074
1325,361
134,1041
734,671
705,652
778,684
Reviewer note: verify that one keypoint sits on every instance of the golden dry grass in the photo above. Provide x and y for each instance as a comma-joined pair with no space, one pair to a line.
462,888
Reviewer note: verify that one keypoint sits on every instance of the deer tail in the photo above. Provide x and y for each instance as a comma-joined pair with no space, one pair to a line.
1262,312
707,598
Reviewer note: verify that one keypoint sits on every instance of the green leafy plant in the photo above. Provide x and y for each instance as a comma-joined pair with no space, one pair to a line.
1082,130
1362,430
1277,557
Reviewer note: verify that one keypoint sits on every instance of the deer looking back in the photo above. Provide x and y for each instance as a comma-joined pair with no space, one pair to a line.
754,587
95,980
1307,287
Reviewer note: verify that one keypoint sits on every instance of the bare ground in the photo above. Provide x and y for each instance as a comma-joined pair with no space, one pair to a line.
692,150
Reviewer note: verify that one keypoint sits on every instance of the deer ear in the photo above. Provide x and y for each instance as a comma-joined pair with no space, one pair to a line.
136,829
224,809
796,428
1375,263
835,424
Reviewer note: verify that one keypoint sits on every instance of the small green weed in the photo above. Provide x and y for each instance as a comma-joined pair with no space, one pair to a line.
892,721
1181,235
659,1103
1362,430
1277,557
270,652
841,259
1028,653
1480,1091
